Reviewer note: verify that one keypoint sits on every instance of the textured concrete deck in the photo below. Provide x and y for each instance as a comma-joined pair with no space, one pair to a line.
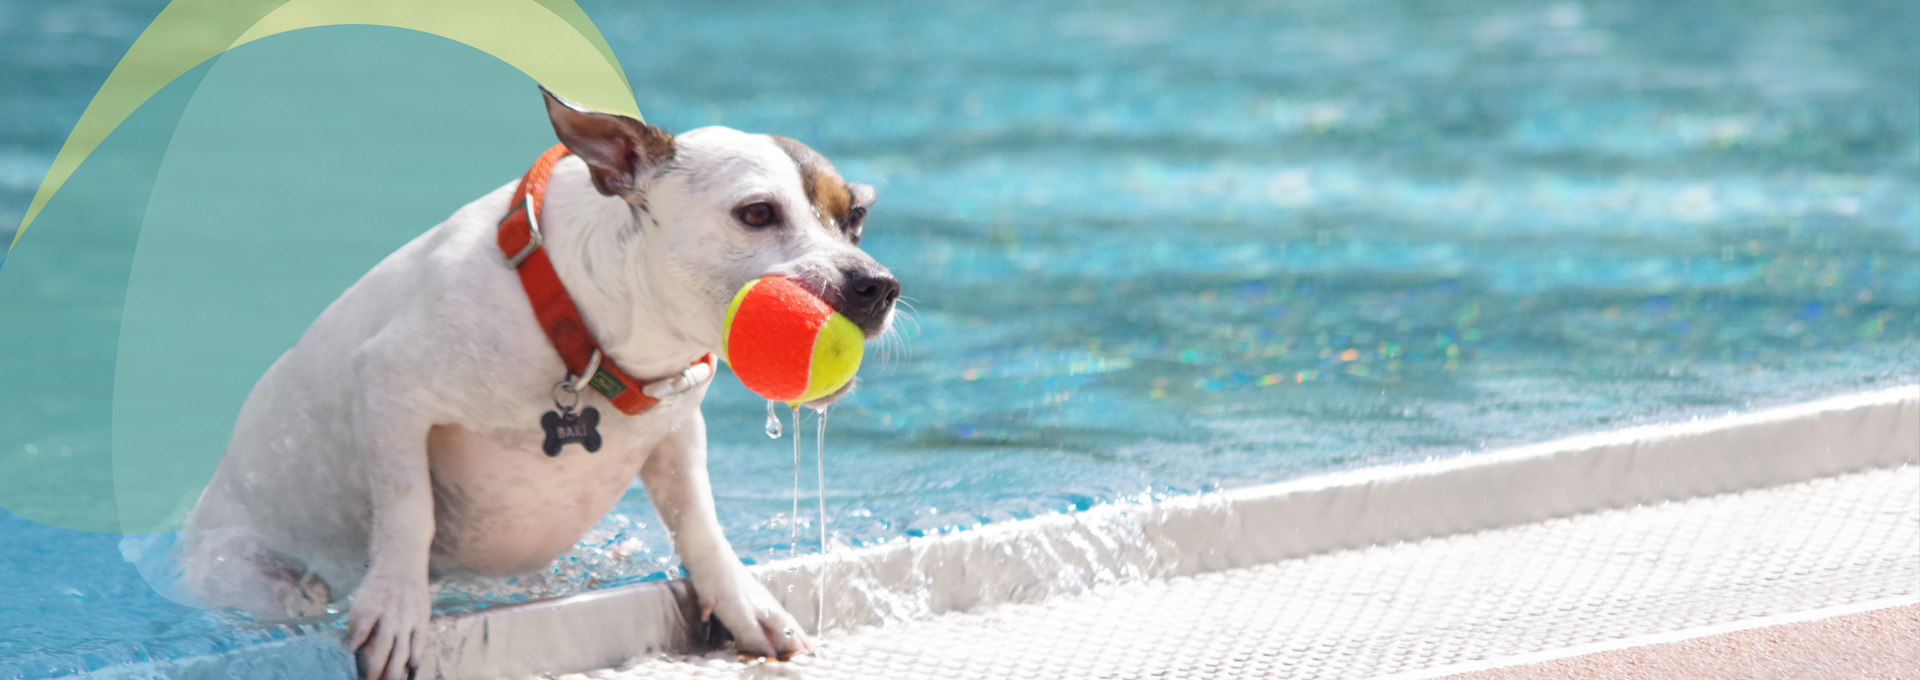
1419,608
1881,643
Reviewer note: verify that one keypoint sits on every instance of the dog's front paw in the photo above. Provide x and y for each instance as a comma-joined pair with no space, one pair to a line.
388,624
760,626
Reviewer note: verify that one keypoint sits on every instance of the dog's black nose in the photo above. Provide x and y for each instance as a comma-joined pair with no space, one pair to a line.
870,295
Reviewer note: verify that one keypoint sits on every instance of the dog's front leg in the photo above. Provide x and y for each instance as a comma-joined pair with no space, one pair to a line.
675,475
391,607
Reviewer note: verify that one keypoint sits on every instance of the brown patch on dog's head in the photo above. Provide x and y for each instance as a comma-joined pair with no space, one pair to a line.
841,206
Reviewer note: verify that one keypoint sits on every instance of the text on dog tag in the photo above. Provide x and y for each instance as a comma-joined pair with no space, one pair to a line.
582,429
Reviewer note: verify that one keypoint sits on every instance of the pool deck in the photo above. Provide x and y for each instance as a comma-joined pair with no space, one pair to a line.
1487,603
1877,643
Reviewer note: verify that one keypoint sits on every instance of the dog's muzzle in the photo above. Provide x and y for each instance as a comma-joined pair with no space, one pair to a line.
867,297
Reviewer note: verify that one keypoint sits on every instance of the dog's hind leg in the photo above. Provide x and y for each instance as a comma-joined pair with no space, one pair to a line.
232,568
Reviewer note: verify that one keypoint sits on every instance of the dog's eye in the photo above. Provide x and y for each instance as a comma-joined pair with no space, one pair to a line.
854,217
756,214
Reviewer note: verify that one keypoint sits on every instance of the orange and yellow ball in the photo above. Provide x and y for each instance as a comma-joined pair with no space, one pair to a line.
787,345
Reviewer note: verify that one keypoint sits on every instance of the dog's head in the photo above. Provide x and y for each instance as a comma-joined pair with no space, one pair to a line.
722,207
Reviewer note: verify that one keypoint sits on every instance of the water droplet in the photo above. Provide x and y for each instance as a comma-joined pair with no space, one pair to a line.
773,421
793,527
820,464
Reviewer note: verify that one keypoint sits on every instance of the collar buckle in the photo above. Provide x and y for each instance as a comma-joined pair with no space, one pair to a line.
533,234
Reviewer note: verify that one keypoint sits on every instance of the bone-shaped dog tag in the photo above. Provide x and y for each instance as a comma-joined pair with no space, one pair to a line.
583,429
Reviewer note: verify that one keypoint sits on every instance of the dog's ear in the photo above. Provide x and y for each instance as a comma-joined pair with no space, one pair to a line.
862,194
622,152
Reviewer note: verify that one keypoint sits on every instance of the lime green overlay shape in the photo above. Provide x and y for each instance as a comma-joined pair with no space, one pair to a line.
550,40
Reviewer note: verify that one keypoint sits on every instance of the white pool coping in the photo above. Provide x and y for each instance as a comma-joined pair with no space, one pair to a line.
1030,560
1036,559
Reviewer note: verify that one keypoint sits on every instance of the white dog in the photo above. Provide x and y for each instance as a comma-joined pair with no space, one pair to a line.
409,431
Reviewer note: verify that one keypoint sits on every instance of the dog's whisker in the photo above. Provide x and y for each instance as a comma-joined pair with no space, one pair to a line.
897,339
906,311
888,342
905,338
893,345
906,314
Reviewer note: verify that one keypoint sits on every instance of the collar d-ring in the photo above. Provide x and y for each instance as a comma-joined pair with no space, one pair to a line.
577,383
572,385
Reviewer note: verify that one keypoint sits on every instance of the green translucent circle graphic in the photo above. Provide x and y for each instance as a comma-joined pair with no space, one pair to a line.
217,212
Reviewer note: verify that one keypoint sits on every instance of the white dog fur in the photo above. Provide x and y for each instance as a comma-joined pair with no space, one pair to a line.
400,436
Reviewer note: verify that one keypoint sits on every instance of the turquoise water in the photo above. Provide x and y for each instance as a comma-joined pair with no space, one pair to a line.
1157,249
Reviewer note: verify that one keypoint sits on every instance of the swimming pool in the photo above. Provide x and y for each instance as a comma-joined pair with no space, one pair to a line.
1161,249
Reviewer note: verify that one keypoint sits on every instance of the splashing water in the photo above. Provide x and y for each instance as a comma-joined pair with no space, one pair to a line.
773,422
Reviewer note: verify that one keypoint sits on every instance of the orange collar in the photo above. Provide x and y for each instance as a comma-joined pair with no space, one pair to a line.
520,243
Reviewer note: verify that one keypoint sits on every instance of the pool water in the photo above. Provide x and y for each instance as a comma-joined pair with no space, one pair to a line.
1155,249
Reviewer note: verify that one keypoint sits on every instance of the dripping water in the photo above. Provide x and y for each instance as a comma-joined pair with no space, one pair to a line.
773,422
793,520
820,466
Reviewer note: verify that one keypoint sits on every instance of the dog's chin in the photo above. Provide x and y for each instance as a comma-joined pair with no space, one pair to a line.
878,329
822,403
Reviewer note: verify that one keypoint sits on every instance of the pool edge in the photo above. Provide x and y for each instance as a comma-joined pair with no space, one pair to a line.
1031,560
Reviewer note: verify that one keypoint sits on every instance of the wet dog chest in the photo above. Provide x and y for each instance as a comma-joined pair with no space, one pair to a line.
502,505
